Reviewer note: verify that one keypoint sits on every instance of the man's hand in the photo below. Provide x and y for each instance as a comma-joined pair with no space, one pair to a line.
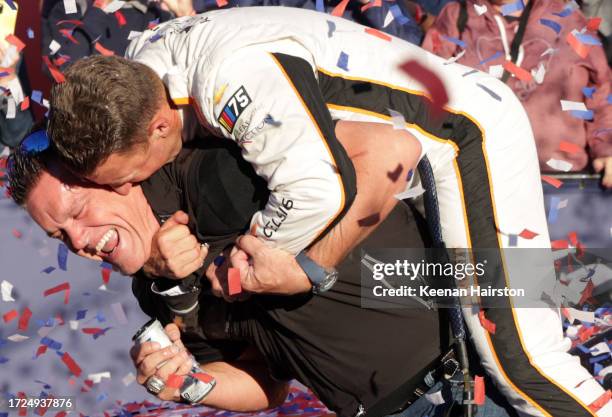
179,8
150,360
604,164
175,252
267,270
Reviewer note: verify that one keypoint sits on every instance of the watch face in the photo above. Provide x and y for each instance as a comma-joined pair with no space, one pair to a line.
328,282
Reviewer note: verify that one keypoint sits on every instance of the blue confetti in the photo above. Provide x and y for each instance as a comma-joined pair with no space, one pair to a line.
35,142
597,368
410,173
512,240
101,333
102,397
588,91
50,343
100,317
551,24
106,265
270,120
36,96
565,12
331,27
552,213
343,61
81,314
497,54
4,359
30,33
11,4
456,41
4,74
609,98
582,114
62,256
320,6
218,261
599,358
3,414
587,39
398,15
512,7
583,349
490,92
48,270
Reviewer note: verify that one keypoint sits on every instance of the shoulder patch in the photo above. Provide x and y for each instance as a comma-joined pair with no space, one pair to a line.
233,109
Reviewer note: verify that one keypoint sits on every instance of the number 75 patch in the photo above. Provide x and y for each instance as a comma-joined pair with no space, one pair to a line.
233,109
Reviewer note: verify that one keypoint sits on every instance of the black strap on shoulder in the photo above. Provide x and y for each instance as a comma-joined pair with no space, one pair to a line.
462,18
518,38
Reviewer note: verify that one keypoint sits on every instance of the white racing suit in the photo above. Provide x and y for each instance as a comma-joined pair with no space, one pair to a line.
264,76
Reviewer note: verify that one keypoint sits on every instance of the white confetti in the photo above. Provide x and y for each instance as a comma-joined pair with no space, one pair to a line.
119,313
128,379
113,6
549,51
600,348
539,73
133,35
559,165
583,316
16,91
11,108
572,105
435,398
45,103
398,120
388,19
17,337
572,331
496,71
480,9
54,46
455,58
96,378
74,324
562,204
7,288
410,192
70,6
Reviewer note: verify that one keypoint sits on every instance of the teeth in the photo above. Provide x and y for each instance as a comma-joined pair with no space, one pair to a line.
107,236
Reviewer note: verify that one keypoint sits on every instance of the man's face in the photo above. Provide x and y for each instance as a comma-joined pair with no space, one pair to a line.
95,222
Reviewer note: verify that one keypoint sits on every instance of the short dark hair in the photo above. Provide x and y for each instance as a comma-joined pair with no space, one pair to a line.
24,169
103,107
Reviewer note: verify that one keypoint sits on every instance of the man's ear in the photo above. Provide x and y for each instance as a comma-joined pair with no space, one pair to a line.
160,126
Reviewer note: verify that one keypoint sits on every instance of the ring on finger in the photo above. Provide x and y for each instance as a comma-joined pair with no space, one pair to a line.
155,385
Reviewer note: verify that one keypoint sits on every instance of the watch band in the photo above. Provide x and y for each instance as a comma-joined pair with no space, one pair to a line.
315,273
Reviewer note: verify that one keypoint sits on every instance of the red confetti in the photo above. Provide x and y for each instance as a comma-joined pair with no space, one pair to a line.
552,181
479,390
587,293
62,287
207,379
517,71
378,34
71,21
10,316
67,33
87,385
233,281
25,104
602,400
221,3
120,18
17,233
61,414
7,70
581,49
23,410
102,50
559,244
71,364
487,324
593,24
573,238
14,40
41,350
55,73
24,320
61,60
339,9
60,320
175,381
92,330
433,84
570,147
106,273
528,234
370,4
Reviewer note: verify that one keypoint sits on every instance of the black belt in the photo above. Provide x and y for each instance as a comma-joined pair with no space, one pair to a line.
443,366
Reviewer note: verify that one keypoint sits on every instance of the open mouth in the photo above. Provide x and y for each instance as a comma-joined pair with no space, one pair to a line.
108,243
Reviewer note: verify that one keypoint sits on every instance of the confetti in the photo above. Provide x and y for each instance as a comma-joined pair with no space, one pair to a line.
378,34
582,114
320,6
6,288
50,343
343,61
410,193
567,10
370,4
30,33
588,91
48,270
399,123
113,6
25,104
17,338
551,24
528,234
429,80
233,281
569,147
572,105
97,378
581,49
487,324
222,3
512,240
119,313
593,24
559,165
435,398
74,325
54,46
489,92
339,9
106,273
11,4
455,58
539,73
7,317
36,96
175,381
479,390
587,39
55,73
331,28
62,287
517,71
120,18
62,256
398,15
496,55
456,41
70,6
128,379
559,244
553,210
81,314
11,109
480,9
71,364
24,320
102,50
510,8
